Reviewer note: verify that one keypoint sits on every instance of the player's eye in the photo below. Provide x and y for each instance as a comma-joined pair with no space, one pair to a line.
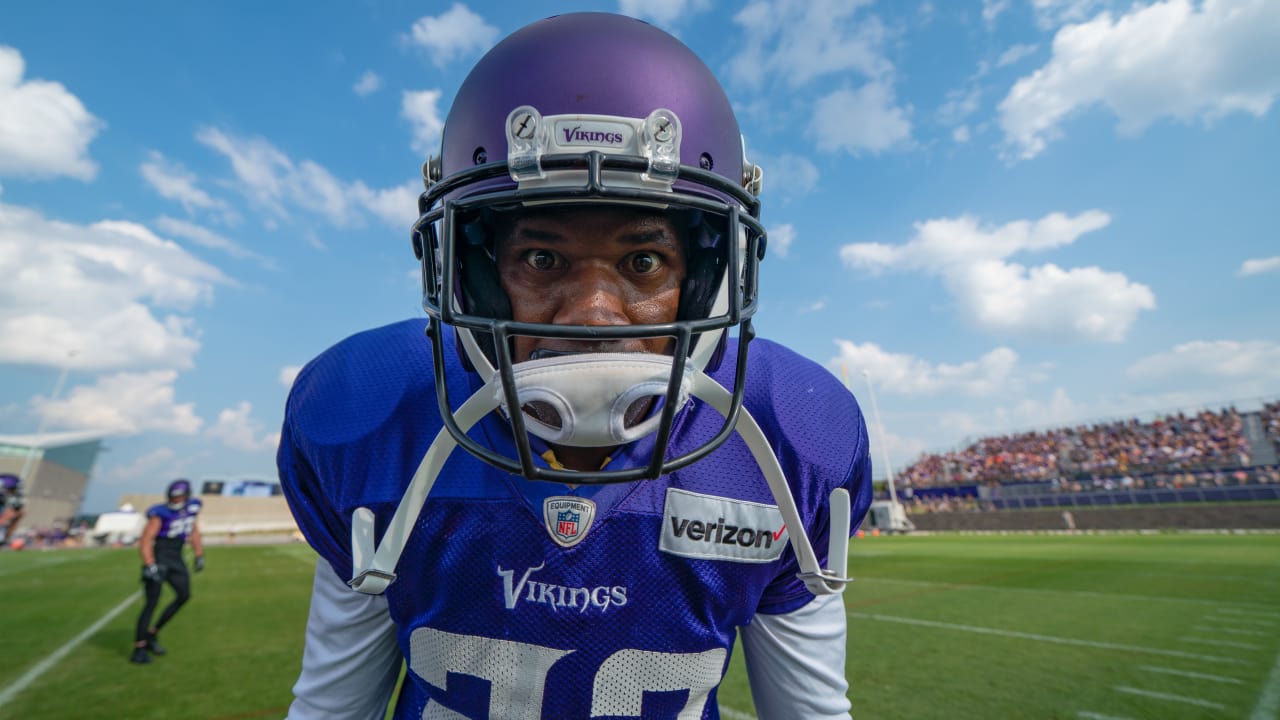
541,259
644,263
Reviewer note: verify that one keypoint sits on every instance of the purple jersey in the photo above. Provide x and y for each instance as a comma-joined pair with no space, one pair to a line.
610,601
175,524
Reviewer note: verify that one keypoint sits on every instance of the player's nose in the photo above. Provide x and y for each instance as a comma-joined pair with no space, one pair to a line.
593,295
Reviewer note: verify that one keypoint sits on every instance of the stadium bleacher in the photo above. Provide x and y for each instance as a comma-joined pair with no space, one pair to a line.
1209,455
226,516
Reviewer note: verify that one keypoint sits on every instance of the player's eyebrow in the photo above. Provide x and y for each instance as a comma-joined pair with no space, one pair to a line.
649,237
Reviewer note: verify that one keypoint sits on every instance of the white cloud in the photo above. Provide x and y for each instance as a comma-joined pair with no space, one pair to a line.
1221,359
991,9
898,446
175,182
1085,303
925,12
126,403
45,131
207,238
289,373
267,173
991,374
275,183
1014,54
238,431
789,175
960,104
1253,266
453,34
798,41
1052,13
860,120
961,134
146,465
1169,59
368,84
780,239
396,206
662,12
1026,413
111,291
422,109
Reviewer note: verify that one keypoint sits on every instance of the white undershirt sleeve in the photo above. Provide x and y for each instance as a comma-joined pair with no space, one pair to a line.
351,660
795,662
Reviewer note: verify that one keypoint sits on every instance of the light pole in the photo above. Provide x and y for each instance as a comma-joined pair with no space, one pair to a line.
884,439
44,419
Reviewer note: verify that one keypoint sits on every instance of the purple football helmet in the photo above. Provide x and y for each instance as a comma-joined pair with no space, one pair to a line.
9,483
178,493
599,109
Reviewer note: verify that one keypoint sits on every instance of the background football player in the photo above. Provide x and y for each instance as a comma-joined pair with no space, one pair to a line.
169,526
637,485
12,506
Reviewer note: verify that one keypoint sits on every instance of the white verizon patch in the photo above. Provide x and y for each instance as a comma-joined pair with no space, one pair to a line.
717,528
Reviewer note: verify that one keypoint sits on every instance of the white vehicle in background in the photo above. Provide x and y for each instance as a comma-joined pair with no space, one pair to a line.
120,527
889,516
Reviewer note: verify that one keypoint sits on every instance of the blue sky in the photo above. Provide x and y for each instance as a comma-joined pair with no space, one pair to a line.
1010,213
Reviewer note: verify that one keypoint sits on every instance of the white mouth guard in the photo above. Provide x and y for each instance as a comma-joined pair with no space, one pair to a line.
590,394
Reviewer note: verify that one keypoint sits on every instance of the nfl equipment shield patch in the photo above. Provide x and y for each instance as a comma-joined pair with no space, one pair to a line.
568,518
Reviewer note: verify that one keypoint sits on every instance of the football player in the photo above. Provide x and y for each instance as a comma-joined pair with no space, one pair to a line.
637,486
12,507
169,526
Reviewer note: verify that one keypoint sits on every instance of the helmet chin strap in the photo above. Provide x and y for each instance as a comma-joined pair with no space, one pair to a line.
373,569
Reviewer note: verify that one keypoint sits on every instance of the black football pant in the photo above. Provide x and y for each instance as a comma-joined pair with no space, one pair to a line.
181,582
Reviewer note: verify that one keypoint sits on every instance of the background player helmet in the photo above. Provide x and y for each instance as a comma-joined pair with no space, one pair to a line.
601,109
9,483
178,493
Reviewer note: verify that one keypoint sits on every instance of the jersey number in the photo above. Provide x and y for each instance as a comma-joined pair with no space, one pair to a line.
517,673
182,526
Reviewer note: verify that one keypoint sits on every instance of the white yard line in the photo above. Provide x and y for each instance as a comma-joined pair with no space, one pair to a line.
41,667
1099,716
1240,621
1189,674
1249,613
1220,643
1268,707
1045,591
1229,631
51,559
1171,697
1047,638
732,714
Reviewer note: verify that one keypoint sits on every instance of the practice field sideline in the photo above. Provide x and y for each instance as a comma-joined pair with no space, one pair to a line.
946,626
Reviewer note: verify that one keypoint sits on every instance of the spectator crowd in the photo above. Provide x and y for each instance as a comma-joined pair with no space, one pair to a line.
1172,444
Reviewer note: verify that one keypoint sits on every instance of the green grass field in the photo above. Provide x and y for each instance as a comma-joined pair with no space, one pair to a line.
1021,626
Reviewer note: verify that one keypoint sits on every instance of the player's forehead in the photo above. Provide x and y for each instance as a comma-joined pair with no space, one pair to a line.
590,222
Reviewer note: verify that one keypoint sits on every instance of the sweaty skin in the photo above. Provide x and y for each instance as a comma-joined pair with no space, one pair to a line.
591,266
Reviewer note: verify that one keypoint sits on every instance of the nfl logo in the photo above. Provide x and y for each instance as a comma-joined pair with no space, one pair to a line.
567,524
568,518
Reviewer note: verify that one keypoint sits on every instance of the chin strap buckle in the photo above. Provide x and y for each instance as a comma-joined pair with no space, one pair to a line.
372,582
835,577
